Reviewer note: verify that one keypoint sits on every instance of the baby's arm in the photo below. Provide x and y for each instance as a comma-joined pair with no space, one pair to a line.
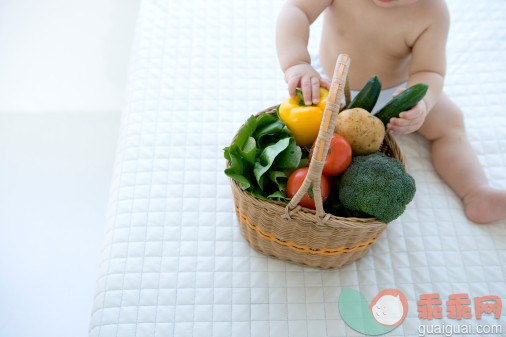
292,35
428,65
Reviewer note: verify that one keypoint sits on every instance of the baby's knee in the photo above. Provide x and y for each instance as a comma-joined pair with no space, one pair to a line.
445,118
454,119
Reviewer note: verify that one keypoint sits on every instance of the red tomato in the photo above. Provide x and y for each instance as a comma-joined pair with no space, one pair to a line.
339,156
295,182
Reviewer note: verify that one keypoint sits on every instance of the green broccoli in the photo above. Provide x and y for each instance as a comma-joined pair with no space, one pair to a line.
378,185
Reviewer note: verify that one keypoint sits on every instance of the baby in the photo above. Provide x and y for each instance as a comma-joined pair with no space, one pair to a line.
403,42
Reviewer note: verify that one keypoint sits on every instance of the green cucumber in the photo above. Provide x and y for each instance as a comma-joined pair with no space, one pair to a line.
402,102
368,95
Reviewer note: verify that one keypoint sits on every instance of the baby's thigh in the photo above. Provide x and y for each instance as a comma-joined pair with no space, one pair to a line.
445,117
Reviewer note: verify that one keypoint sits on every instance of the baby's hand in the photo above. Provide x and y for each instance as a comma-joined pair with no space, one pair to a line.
409,121
309,80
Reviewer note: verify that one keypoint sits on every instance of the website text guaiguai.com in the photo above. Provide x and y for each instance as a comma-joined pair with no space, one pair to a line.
459,308
454,329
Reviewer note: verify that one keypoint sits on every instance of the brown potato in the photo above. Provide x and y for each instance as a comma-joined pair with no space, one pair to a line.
363,131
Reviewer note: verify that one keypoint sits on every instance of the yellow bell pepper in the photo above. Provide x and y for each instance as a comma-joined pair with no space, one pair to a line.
302,120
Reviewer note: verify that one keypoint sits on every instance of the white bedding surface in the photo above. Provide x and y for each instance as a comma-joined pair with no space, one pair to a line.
174,262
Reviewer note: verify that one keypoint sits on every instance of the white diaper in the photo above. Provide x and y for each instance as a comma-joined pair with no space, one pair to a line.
385,94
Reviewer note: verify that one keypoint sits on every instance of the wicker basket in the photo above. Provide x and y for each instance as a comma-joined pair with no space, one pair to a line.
299,235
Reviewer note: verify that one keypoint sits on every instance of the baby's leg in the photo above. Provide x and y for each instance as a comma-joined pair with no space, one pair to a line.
456,162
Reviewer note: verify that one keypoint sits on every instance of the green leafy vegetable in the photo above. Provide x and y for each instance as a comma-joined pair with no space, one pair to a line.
263,156
267,158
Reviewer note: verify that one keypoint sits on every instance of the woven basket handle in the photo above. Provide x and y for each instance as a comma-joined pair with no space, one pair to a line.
327,126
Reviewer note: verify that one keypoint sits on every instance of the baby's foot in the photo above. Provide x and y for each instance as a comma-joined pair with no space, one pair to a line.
485,206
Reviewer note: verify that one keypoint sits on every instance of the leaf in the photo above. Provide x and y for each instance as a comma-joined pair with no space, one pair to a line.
265,119
257,192
278,195
270,130
303,163
270,134
246,131
277,111
250,150
237,168
280,178
290,157
243,136
267,157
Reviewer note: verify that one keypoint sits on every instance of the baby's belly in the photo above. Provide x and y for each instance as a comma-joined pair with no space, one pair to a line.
391,70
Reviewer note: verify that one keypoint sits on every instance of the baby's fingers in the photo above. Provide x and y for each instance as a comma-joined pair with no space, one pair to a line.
398,91
416,113
404,126
315,87
325,83
410,114
398,123
397,128
292,86
310,89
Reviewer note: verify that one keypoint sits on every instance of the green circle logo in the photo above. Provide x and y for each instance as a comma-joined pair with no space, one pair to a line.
386,311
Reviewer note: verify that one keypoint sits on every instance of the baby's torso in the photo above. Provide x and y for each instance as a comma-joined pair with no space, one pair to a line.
378,40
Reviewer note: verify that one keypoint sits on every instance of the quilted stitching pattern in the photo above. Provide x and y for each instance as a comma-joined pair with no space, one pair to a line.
174,262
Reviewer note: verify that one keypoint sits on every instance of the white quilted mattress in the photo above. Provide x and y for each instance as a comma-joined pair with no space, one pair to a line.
174,262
